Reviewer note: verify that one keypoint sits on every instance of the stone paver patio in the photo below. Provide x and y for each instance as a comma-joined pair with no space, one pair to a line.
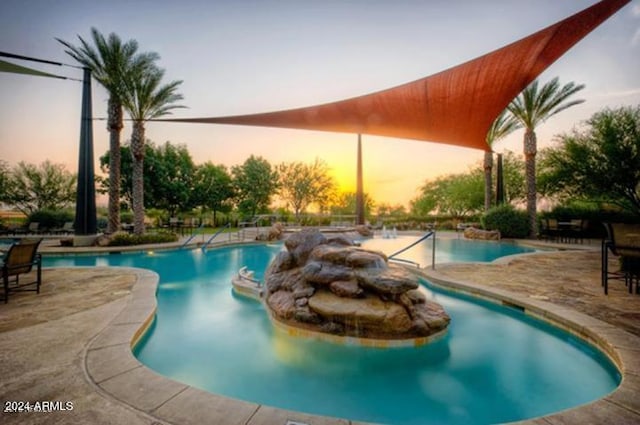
72,343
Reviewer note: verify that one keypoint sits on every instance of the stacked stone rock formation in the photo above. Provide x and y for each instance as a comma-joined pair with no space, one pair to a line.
487,235
329,285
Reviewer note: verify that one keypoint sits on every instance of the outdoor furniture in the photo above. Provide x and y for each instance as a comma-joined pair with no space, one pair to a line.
189,225
66,229
577,228
174,224
548,229
20,259
553,229
33,228
623,240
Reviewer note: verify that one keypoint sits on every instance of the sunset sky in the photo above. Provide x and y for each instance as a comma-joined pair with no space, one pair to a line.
242,57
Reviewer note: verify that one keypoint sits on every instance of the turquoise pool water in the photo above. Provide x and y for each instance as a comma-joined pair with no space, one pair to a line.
494,365
448,249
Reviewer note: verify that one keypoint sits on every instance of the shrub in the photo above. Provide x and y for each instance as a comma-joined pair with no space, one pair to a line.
126,217
51,219
510,222
126,239
101,223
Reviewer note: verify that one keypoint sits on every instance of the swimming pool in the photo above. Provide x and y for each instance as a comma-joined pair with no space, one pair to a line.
448,249
494,365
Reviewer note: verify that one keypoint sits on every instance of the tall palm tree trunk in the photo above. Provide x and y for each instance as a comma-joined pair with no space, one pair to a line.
114,126
488,165
530,151
137,153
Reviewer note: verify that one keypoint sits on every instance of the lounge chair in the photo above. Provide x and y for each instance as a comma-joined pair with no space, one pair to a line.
623,240
32,229
65,230
20,259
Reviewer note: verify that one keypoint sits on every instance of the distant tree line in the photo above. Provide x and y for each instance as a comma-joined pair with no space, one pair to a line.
174,183
597,164
593,170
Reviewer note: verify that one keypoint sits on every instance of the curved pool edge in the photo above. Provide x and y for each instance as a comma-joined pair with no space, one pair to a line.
621,347
111,366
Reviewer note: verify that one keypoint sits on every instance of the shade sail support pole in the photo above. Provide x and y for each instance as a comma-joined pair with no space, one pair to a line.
500,182
85,221
359,186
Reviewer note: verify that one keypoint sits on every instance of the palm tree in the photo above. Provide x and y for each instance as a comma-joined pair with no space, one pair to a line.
110,60
503,125
532,107
144,99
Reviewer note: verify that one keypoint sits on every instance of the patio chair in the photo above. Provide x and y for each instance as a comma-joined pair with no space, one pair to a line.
577,229
553,229
623,240
32,229
544,231
66,229
20,259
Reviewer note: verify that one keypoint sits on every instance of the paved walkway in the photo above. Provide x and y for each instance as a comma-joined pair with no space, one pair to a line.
71,343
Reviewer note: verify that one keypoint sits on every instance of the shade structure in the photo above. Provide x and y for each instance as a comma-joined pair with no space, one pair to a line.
359,185
455,106
86,221
19,69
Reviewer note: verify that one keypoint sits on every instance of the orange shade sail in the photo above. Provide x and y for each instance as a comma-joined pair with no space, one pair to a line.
456,106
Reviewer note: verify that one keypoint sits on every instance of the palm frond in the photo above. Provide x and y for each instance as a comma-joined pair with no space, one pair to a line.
505,124
537,104
108,58
146,98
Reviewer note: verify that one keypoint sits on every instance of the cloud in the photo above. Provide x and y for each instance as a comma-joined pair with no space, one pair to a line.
620,94
636,10
636,38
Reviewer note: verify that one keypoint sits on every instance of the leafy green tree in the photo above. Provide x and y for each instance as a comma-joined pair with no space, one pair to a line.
172,187
598,162
5,179
513,177
111,61
255,183
389,210
344,203
213,188
422,205
504,124
169,176
145,98
304,184
532,107
31,188
457,195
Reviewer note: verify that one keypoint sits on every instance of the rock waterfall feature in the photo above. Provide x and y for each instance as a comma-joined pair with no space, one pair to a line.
329,285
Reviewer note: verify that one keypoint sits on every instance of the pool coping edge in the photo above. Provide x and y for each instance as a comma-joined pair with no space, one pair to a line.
112,368
620,346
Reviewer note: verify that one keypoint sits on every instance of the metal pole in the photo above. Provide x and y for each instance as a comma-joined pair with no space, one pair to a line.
85,221
499,182
359,188
433,250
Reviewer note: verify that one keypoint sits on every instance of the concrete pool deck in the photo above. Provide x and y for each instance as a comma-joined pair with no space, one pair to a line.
72,343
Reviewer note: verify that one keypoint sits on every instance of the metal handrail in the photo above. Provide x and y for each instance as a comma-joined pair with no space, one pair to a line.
424,237
402,260
204,247
243,276
193,235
